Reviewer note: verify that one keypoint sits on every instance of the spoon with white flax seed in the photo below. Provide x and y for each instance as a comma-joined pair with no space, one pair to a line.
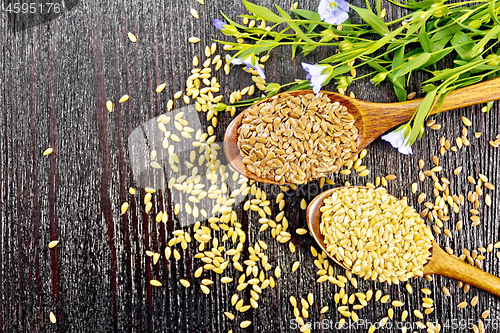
379,237
297,136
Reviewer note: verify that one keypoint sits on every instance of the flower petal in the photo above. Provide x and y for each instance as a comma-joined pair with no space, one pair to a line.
397,140
218,23
333,11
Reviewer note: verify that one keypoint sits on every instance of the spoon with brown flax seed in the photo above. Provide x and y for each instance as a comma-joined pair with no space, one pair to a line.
363,122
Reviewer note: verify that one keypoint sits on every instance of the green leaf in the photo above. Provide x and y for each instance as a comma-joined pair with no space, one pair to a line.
398,81
492,34
440,44
451,72
420,114
412,4
231,22
424,40
492,12
417,25
294,47
308,14
415,63
437,55
384,40
463,45
300,86
444,33
476,69
293,25
344,56
263,12
373,20
489,105
312,26
378,6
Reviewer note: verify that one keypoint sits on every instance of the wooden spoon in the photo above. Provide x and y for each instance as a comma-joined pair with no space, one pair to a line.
440,263
371,119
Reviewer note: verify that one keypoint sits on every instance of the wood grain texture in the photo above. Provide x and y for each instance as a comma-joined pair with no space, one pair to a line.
55,79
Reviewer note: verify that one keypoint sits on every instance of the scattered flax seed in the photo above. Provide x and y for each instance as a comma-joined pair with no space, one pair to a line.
295,266
229,315
124,207
384,299
412,94
161,87
48,151
132,37
397,304
245,324
194,13
487,200
489,186
418,314
485,314
109,106
436,127
429,311
459,225
194,40
462,305
426,291
301,231
205,289
477,135
53,244
390,177
466,121
124,98
414,188
52,317
303,204
155,283
409,288
185,283
474,301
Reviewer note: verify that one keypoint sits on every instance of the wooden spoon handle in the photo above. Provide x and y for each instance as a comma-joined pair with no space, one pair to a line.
378,118
444,264
483,92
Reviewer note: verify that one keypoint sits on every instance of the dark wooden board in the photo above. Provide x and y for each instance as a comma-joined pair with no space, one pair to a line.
56,76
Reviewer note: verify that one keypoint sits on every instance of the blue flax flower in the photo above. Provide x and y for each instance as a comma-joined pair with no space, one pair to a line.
316,79
397,140
250,61
218,23
333,11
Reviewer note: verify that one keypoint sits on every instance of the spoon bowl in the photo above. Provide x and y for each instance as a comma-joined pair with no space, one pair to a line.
371,119
440,263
